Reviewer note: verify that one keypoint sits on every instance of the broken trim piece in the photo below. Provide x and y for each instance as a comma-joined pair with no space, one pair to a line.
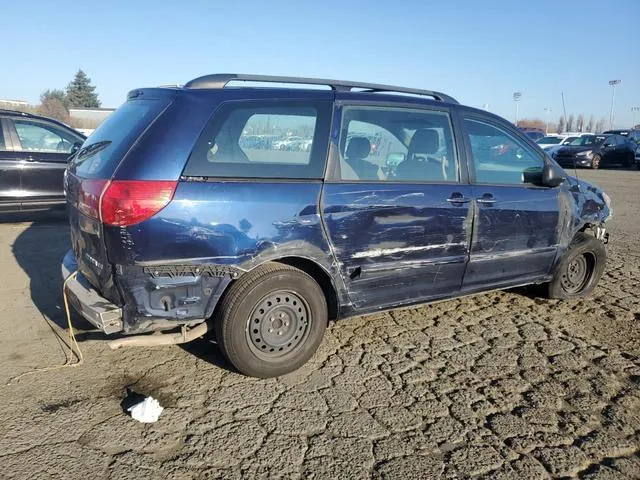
211,270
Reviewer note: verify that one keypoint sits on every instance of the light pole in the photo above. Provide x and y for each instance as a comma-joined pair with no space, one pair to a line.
516,98
633,115
547,110
613,84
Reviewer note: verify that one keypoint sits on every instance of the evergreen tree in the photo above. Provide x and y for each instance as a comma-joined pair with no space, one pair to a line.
80,92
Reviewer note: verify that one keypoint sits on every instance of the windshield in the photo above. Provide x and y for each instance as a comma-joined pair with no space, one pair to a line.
549,140
588,140
568,140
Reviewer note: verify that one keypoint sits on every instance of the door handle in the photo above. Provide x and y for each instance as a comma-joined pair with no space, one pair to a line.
486,199
30,159
458,198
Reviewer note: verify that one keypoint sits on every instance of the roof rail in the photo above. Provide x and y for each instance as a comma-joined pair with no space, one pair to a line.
220,80
15,112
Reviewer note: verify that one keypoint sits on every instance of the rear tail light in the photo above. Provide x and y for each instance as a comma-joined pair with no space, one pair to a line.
124,202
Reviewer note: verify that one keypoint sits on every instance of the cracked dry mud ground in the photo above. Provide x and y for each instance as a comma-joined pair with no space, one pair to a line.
502,385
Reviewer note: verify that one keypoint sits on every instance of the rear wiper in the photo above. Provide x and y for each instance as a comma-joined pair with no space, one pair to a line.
90,150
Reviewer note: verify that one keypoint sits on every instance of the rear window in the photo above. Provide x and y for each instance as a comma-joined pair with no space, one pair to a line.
275,139
101,153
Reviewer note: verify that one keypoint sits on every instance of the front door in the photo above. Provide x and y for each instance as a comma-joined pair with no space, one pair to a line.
515,233
43,150
395,209
10,195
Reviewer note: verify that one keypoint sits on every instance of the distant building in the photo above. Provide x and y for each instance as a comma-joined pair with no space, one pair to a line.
13,103
90,114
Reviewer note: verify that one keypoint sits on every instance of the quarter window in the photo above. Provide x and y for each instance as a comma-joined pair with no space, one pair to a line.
39,137
394,144
499,157
267,140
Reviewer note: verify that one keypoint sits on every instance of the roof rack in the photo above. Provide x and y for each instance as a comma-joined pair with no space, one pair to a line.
220,80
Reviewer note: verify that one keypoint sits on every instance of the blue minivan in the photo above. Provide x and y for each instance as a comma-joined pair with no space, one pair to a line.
259,211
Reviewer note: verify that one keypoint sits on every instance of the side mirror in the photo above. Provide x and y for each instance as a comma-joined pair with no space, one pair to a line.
394,159
552,175
606,145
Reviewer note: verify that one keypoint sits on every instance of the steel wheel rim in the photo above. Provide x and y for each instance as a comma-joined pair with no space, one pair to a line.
576,275
278,324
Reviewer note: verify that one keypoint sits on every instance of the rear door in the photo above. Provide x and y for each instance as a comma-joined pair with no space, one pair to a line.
10,192
42,149
396,206
516,224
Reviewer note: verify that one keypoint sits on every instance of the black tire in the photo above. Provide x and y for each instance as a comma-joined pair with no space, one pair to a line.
272,320
629,160
596,161
585,252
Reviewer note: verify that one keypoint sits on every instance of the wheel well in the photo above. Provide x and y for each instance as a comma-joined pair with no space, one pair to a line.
319,275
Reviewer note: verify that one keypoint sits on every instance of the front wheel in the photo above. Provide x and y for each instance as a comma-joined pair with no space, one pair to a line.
595,161
272,320
629,160
578,271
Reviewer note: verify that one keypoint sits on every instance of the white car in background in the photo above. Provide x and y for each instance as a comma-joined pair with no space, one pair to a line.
553,143
554,140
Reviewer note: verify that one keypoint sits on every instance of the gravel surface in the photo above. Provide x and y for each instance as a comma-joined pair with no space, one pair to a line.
502,385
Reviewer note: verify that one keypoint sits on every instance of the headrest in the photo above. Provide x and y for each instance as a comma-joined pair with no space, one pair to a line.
425,140
359,147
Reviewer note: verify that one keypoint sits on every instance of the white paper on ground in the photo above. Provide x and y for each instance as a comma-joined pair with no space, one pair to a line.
147,411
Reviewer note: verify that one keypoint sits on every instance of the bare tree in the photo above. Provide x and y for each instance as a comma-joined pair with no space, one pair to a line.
570,123
590,124
561,125
600,125
580,123
54,108
532,123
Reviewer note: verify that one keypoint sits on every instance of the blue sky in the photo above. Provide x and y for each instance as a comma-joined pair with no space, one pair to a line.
478,51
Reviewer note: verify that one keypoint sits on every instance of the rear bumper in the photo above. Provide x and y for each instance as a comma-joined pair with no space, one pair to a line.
99,311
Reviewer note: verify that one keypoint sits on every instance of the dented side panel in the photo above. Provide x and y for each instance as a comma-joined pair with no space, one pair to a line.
174,264
398,243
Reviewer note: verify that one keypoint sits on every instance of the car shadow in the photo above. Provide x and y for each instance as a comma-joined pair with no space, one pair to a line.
207,350
38,250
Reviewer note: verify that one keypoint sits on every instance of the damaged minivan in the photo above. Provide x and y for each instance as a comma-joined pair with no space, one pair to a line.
260,211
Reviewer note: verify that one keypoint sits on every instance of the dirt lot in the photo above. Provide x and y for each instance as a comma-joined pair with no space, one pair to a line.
501,385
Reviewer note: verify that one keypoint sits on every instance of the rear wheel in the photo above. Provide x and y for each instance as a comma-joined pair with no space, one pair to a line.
578,271
595,161
272,320
629,160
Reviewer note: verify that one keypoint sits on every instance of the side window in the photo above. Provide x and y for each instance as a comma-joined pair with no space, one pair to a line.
500,157
40,137
395,144
264,140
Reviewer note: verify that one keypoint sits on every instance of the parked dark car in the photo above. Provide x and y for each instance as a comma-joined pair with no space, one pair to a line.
33,157
631,134
176,227
596,151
